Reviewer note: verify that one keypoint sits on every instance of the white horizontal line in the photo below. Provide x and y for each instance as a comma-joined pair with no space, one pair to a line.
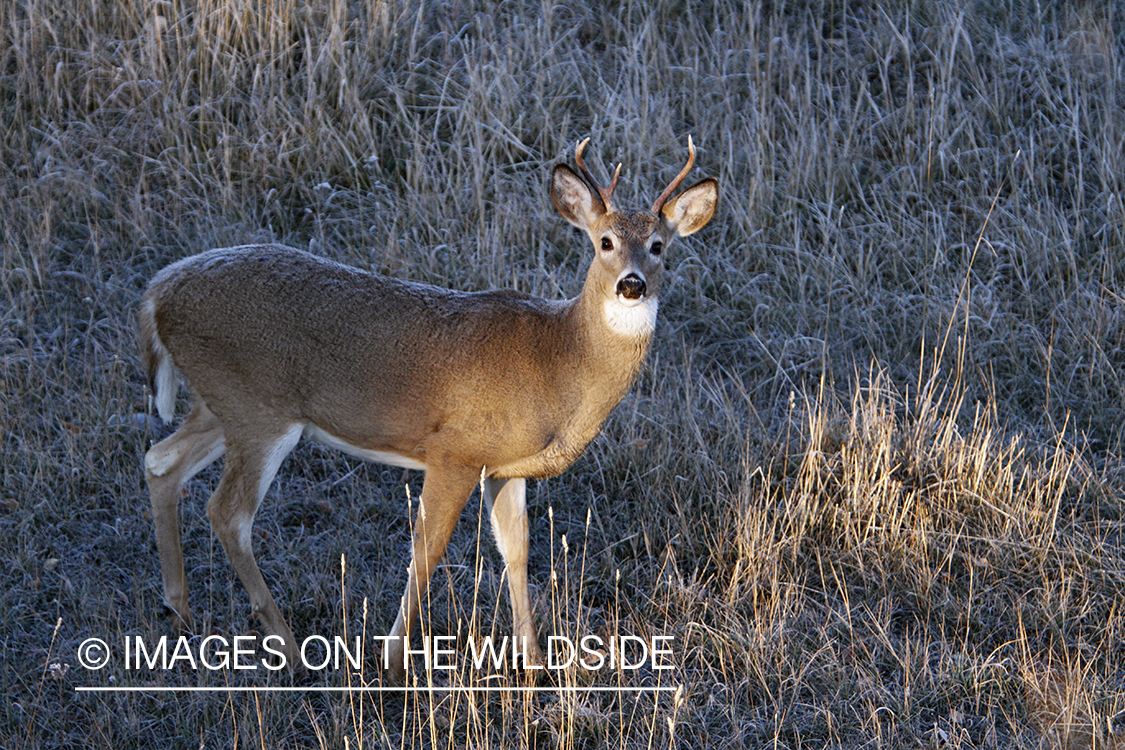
314,689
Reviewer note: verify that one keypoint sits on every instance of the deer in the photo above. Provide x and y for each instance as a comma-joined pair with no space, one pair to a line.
490,388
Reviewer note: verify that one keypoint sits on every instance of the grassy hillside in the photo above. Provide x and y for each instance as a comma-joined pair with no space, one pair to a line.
870,480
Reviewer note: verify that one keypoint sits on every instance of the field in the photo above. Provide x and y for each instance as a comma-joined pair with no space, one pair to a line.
871,481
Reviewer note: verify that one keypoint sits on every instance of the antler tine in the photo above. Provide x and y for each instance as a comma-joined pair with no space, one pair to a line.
605,193
675,183
612,185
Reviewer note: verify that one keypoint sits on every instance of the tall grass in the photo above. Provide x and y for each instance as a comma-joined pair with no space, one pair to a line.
870,480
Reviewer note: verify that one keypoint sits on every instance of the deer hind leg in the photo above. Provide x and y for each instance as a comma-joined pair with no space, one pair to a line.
444,494
251,465
507,501
168,465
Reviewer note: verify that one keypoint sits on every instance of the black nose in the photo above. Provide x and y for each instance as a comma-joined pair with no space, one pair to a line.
631,287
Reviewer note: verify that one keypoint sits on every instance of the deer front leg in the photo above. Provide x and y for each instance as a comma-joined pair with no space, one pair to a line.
507,501
444,493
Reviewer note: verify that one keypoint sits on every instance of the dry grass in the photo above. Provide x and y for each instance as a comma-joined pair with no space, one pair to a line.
871,479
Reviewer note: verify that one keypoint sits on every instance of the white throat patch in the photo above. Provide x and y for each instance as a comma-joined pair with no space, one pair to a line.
631,320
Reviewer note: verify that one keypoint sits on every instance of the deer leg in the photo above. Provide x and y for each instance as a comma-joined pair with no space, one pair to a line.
444,494
249,470
168,465
507,502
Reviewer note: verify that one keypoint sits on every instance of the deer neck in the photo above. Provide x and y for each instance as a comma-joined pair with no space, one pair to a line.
613,338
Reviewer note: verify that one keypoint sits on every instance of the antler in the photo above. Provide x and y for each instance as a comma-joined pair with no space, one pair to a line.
605,193
679,178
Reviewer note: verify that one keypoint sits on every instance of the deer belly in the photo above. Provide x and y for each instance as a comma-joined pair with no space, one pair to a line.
316,434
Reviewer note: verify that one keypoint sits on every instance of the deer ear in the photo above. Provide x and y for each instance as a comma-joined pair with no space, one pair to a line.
690,211
574,199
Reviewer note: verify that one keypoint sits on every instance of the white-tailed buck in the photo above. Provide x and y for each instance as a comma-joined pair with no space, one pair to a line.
488,387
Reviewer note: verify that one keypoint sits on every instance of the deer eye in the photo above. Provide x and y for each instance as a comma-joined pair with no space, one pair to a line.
657,248
607,244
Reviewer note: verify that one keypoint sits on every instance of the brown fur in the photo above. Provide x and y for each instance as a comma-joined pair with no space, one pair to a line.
275,342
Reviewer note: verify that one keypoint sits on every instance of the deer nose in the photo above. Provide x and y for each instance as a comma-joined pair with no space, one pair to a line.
631,287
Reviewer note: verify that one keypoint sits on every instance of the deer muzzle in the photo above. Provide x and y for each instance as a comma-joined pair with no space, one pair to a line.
631,287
